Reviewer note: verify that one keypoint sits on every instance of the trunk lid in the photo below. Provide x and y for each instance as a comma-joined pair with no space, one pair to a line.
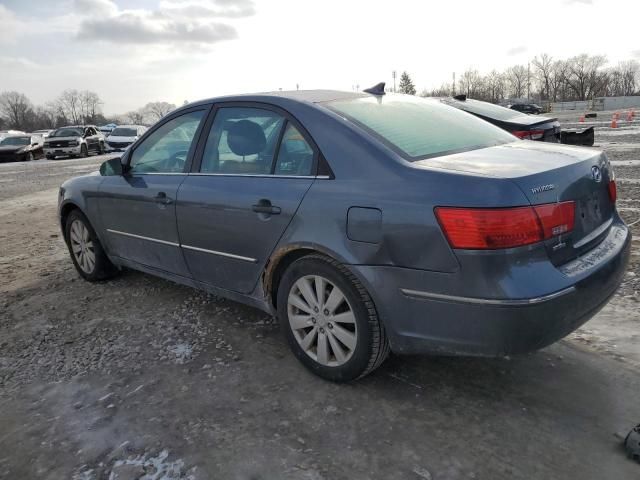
548,173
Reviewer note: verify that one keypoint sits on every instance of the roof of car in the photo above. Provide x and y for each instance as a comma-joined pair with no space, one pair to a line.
309,96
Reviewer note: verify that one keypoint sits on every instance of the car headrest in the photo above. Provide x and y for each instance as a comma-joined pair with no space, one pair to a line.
246,138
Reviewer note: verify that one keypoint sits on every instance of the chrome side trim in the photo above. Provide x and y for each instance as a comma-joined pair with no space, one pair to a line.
257,175
222,254
140,237
176,174
485,301
188,247
597,232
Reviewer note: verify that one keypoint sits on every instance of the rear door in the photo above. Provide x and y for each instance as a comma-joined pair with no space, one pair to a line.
256,165
138,209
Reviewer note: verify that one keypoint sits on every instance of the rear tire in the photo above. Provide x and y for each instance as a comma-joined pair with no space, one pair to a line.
339,340
85,249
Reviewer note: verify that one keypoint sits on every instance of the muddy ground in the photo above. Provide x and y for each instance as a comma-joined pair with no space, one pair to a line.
137,376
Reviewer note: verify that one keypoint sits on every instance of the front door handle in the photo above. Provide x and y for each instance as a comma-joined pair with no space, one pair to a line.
264,206
162,198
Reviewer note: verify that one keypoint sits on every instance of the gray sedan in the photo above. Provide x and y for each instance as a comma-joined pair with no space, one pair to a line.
366,222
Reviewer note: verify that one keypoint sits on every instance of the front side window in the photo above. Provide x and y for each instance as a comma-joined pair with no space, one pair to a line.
166,149
419,128
295,155
242,140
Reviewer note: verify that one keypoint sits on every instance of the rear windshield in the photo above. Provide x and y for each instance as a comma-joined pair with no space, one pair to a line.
15,141
486,109
124,132
419,128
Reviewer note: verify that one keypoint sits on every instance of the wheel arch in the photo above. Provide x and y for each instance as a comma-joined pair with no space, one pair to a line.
280,261
65,211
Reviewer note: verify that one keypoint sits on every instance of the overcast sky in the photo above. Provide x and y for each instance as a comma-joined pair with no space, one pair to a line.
135,51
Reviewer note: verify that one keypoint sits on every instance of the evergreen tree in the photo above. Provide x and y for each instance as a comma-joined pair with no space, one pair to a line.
406,85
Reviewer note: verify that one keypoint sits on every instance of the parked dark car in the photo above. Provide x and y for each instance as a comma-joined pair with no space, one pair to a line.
527,108
519,124
365,222
20,148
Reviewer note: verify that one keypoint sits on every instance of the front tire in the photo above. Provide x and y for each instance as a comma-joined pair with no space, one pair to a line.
83,151
85,249
29,157
330,320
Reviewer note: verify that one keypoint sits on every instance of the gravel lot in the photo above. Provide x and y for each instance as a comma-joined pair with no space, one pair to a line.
139,376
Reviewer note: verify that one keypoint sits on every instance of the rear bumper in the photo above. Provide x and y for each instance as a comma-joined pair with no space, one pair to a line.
420,321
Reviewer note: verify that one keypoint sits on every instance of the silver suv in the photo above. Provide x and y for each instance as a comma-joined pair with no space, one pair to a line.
74,141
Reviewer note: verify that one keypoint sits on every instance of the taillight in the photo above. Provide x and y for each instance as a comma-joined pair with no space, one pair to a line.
494,228
613,191
529,134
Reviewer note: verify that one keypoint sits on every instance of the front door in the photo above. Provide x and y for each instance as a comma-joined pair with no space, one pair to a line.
256,168
139,208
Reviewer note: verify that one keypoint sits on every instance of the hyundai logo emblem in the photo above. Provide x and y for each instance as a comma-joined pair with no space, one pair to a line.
596,173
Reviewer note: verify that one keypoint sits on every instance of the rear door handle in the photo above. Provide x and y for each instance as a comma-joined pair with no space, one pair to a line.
162,198
264,206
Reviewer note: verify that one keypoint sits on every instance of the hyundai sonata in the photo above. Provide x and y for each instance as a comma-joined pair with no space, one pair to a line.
367,222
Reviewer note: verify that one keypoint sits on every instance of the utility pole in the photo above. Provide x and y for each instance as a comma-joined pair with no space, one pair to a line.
528,81
393,74
453,85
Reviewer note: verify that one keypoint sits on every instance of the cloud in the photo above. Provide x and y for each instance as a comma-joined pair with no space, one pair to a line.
192,23
17,63
517,50
95,8
138,29
208,8
10,25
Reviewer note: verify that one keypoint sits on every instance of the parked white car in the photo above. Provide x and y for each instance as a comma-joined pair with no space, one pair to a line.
122,136
43,133
10,133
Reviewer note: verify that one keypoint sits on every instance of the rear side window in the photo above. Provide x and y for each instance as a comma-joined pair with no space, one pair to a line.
295,156
420,128
242,140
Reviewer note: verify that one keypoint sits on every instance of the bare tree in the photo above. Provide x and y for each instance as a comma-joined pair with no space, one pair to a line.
623,78
68,106
16,108
518,80
584,77
443,90
90,106
157,110
135,117
495,85
544,72
469,83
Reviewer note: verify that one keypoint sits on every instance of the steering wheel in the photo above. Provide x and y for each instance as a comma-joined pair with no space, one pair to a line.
176,161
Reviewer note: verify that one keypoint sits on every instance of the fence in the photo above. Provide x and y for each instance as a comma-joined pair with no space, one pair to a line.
598,104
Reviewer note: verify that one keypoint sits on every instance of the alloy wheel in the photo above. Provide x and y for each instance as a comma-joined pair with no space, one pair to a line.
322,321
82,246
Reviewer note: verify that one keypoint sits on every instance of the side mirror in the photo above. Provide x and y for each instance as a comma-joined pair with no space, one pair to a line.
112,167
